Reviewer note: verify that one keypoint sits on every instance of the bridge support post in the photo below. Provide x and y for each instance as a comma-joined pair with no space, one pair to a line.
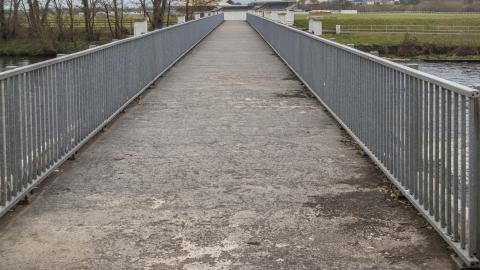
180,19
290,18
140,27
338,29
282,18
315,25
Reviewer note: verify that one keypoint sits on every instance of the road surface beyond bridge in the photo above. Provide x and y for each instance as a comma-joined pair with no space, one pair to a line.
227,163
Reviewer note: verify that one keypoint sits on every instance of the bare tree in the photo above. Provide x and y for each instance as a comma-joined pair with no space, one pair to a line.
59,7
8,18
145,7
163,9
37,15
116,7
71,16
158,9
3,21
89,8
187,17
106,7
13,18
168,12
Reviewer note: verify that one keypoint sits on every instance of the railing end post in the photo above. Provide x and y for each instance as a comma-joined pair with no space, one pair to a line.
474,204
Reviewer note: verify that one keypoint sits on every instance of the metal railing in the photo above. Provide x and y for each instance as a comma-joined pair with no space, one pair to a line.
427,29
421,130
50,109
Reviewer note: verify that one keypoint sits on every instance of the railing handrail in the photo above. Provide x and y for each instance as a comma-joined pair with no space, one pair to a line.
420,130
27,68
49,110
456,87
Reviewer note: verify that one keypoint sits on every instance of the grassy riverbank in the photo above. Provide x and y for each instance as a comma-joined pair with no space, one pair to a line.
416,45
40,48
24,45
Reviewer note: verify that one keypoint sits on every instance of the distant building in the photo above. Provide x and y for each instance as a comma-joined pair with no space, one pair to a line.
235,12
239,12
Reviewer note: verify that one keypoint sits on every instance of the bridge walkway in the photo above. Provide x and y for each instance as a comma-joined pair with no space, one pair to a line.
226,163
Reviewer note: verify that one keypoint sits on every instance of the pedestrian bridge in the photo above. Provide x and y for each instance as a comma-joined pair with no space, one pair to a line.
235,159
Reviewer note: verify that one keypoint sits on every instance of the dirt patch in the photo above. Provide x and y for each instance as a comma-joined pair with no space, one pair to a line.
291,95
363,182
290,77
304,93
369,178
358,204
366,228
413,254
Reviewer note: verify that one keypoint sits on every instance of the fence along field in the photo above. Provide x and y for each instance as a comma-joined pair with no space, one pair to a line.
406,34
101,24
429,29
388,18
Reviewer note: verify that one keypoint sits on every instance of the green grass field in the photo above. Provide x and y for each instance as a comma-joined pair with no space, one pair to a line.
384,39
29,47
330,20
395,39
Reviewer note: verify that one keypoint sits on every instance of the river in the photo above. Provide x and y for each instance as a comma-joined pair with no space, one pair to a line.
466,73
19,61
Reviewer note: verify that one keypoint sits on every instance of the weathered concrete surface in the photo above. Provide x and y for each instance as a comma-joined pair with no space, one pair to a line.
225,164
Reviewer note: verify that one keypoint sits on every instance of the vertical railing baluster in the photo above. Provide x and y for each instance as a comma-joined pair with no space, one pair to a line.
3,150
463,171
448,157
442,159
456,176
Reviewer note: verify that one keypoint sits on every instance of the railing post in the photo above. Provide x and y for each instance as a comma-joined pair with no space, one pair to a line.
474,205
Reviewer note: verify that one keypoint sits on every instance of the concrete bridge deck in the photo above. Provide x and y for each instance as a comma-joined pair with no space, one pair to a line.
226,163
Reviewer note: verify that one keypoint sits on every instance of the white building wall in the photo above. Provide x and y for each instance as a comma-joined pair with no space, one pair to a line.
235,15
